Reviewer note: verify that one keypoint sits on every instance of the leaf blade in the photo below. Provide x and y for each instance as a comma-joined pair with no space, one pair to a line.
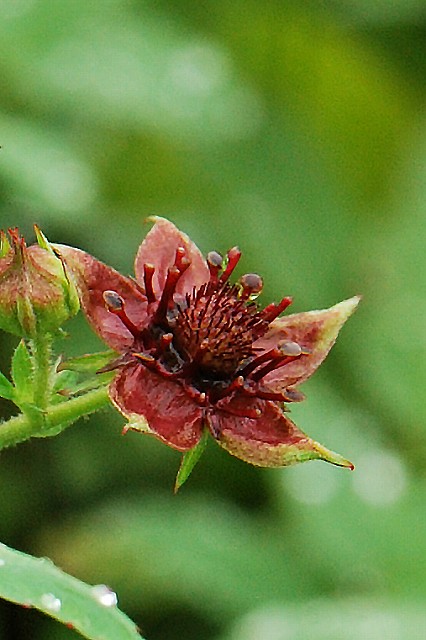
37,582
22,374
7,390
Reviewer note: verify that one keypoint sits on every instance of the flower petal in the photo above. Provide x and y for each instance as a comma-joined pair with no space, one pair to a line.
272,440
157,406
92,279
159,248
314,330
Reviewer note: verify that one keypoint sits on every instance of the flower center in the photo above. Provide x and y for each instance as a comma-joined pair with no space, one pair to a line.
216,329
204,339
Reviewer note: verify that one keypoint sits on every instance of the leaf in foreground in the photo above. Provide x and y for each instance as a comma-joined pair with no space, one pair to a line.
36,582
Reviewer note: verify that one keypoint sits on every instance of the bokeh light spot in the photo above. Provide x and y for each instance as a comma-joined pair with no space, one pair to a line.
313,484
380,477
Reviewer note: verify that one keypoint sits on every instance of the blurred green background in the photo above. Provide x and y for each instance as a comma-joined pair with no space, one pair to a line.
297,130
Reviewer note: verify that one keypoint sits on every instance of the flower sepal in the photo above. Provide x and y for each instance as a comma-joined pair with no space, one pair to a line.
189,460
88,363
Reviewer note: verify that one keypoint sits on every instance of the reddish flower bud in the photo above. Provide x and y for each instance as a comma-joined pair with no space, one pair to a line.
36,292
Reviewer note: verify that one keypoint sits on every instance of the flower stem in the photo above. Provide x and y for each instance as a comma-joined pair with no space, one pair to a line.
41,348
21,427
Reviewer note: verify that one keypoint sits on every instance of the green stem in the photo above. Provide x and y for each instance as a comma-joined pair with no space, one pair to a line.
22,428
41,348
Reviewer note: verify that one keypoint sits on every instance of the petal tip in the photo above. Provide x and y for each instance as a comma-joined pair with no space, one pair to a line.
347,307
332,457
153,219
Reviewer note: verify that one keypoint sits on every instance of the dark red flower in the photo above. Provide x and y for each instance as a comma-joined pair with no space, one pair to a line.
197,352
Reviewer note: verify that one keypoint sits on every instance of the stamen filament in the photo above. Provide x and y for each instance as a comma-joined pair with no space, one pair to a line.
173,275
251,286
181,261
222,393
145,358
234,256
265,395
165,341
148,273
273,354
214,263
273,310
274,364
115,305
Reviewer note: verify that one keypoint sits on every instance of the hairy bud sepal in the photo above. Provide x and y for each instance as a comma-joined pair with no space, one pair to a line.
37,294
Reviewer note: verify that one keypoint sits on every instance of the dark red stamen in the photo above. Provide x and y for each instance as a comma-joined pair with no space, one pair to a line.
237,383
201,350
115,304
273,354
181,261
200,397
173,276
165,341
251,285
265,395
234,256
197,296
145,358
148,273
273,310
214,263
274,364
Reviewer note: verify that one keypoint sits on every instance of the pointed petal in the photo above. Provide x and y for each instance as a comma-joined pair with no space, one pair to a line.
315,330
92,279
272,440
159,248
157,406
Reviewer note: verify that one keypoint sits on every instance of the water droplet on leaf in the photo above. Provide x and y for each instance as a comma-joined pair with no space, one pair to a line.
104,595
51,602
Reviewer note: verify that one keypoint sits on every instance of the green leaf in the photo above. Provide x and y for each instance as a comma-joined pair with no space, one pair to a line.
22,374
36,582
189,460
88,363
6,388
65,380
102,380
67,383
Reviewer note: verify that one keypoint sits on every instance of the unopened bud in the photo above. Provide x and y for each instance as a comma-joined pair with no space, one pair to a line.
36,292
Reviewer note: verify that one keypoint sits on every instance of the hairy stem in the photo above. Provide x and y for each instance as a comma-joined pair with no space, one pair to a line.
41,348
21,427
